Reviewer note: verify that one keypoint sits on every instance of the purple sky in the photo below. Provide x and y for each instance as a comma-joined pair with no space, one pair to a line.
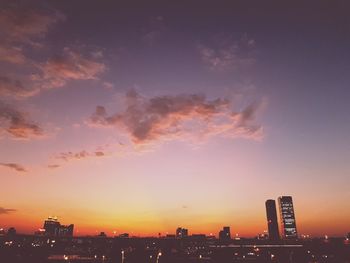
133,113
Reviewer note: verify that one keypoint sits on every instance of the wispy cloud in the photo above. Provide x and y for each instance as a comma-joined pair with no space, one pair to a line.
53,166
14,166
70,65
154,30
6,210
179,117
23,24
17,124
69,156
15,88
12,54
228,54
23,28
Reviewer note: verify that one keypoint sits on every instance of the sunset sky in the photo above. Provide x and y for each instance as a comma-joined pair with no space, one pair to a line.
146,116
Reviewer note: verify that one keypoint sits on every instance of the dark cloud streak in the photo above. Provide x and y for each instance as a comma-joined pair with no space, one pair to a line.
4,211
15,166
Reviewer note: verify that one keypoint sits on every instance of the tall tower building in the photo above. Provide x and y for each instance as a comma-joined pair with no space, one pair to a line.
287,217
181,232
272,223
51,226
225,233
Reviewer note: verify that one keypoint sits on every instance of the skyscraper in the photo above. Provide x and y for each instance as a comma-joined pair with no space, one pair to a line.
181,232
51,226
66,231
287,217
225,233
272,223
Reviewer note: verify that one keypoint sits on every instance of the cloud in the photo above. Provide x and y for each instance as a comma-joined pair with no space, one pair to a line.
71,65
154,30
53,166
15,166
16,124
4,211
12,54
22,30
15,88
23,25
69,156
228,55
179,117
108,85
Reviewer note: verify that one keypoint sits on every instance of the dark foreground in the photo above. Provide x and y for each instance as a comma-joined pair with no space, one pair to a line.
32,249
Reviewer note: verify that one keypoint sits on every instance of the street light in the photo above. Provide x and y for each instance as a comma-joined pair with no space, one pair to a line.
158,256
123,257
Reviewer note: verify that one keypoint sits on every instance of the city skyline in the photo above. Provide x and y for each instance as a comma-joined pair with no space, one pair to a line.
146,117
287,230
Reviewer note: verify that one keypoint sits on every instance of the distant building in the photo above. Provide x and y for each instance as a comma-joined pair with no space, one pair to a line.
124,235
225,233
53,228
11,231
198,237
263,236
272,223
102,234
181,232
287,217
40,232
65,231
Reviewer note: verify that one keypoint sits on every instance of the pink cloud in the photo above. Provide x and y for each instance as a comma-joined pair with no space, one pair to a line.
71,65
17,124
15,88
24,25
228,55
178,117
12,54
53,166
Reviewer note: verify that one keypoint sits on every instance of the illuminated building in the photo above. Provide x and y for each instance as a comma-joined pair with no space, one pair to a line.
287,217
66,231
181,232
272,223
53,228
225,233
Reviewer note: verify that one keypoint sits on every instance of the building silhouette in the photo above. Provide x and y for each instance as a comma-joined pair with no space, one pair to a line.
53,228
287,217
181,232
225,233
272,223
66,231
